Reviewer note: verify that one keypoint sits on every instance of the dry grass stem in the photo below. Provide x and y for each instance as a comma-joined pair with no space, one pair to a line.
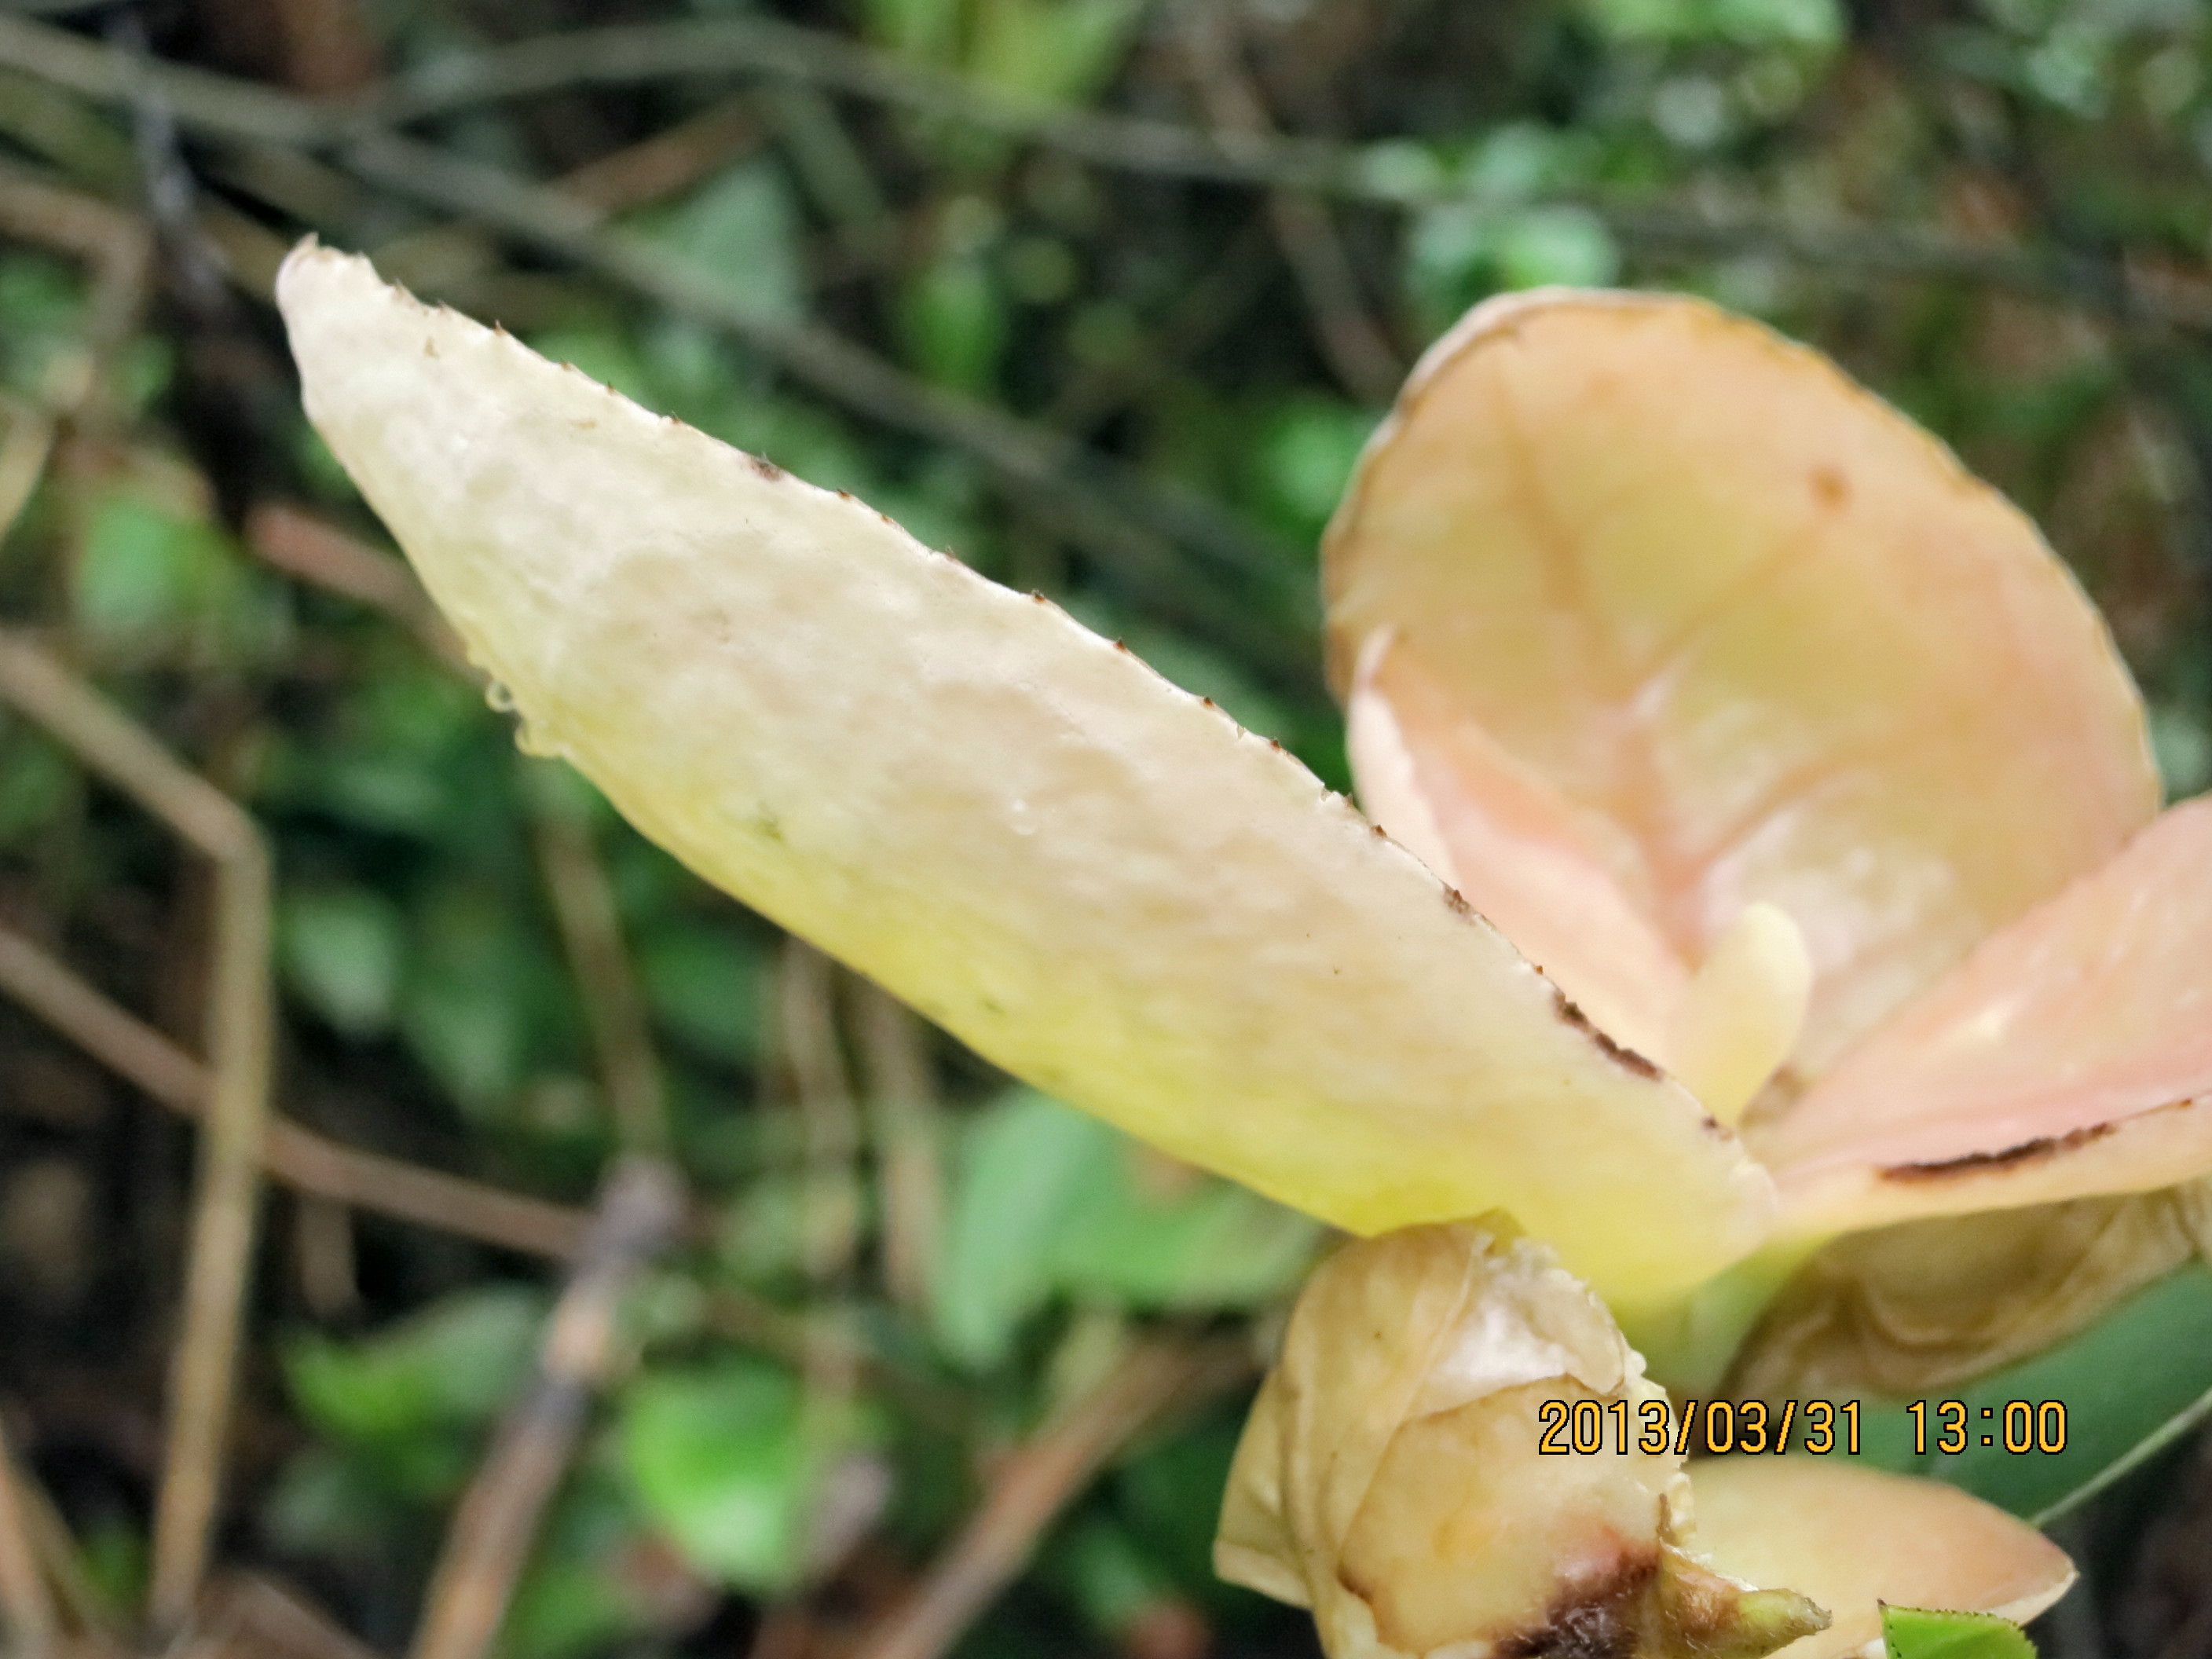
904,1122
246,1616
496,1521
298,1157
314,551
591,933
27,1612
240,1035
1358,351
830,1122
670,162
1037,1481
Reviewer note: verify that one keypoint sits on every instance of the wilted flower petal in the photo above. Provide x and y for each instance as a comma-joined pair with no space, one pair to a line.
1761,625
1926,1304
1096,880
1852,1537
1548,873
2070,1056
1392,1476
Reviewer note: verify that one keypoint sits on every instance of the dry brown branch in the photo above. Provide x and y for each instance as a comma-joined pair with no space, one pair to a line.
668,163
829,1123
902,1114
1358,352
496,1521
246,1616
313,550
220,104
323,1256
298,1157
239,1019
1037,1481
63,1563
591,933
1130,522
28,1616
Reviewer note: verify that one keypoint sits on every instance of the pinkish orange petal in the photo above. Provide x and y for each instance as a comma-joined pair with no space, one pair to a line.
2070,1054
1715,594
1539,867
1851,1538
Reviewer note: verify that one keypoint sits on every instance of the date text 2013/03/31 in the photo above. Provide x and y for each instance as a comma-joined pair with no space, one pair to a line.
1819,1426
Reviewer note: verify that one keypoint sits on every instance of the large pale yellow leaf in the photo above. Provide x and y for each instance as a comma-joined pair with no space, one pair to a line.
2070,1054
1718,596
1851,1538
1097,881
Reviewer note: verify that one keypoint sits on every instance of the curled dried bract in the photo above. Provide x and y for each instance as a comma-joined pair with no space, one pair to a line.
1391,1477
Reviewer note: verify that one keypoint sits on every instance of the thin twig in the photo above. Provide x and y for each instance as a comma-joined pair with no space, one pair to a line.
497,1520
239,1033
1128,521
246,1616
670,162
63,1561
312,549
903,1121
1358,353
31,1621
323,1255
1372,174
298,1157
583,900
1035,1483
829,1123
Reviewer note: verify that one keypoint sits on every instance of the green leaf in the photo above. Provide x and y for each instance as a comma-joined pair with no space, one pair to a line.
466,1007
704,985
1024,1165
1818,24
453,1364
1306,455
721,1460
956,322
1051,1201
152,579
340,950
1051,51
35,780
1926,1633
1460,252
742,231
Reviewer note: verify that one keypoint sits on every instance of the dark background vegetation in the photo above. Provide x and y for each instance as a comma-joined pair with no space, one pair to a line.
1103,295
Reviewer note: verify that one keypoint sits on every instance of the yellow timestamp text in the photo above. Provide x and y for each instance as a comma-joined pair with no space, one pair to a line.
2020,1426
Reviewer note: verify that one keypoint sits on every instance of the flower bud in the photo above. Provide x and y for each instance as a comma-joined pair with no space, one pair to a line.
1393,1476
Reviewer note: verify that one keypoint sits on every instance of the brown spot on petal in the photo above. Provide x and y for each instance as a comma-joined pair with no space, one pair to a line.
2028,1152
1831,488
1601,1619
765,467
1621,1056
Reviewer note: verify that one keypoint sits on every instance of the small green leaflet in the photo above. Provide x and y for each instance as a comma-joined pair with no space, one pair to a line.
1926,1633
